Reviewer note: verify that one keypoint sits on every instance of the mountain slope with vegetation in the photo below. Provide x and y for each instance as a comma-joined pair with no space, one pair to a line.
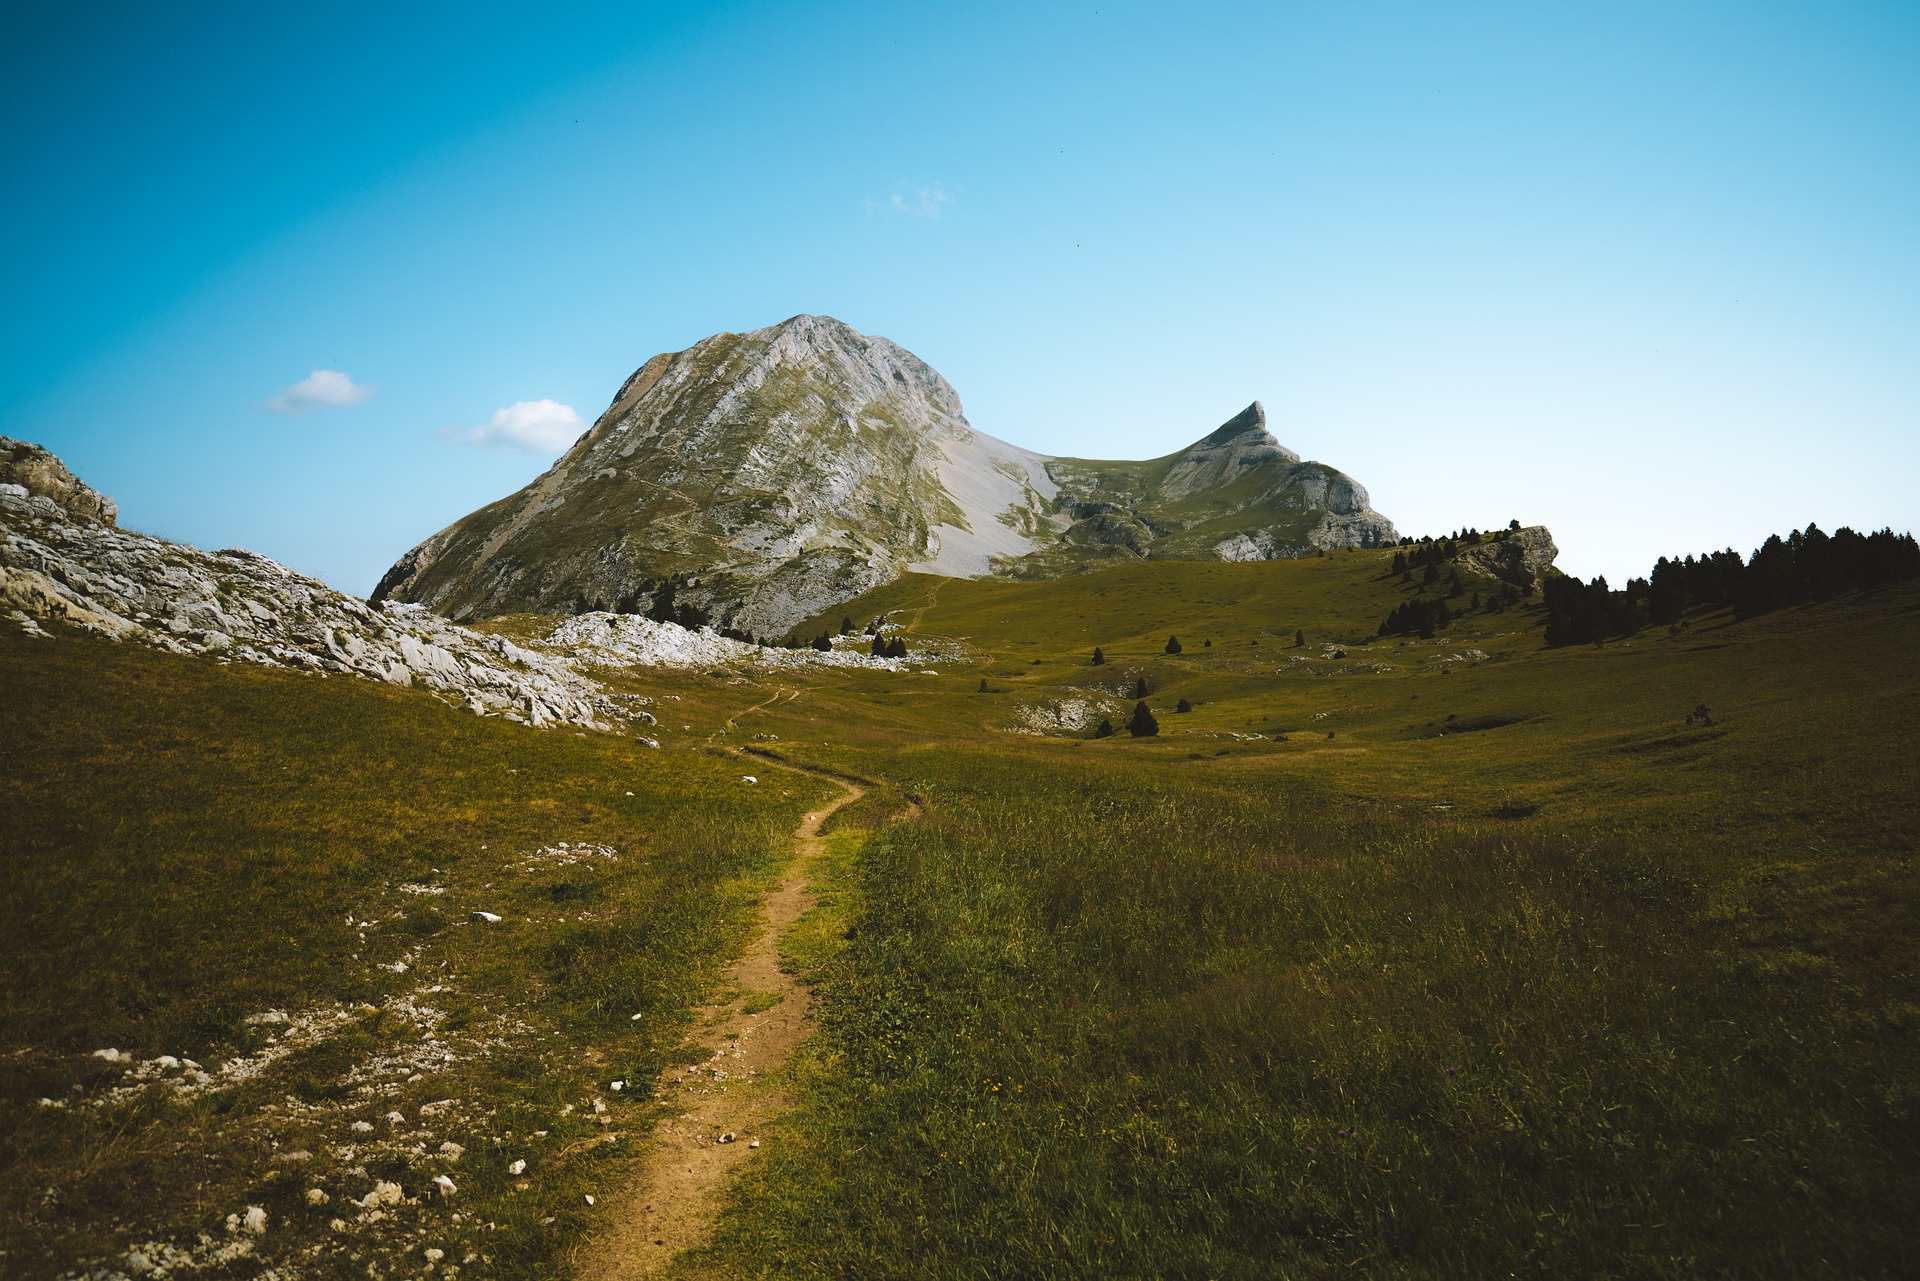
756,479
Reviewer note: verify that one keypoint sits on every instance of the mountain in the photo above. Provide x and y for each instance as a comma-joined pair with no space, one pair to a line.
755,479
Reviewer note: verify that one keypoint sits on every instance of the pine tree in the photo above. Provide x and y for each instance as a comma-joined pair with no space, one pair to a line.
1142,725
1299,639
983,685
1183,706
846,624
1173,644
879,647
1098,657
1140,687
823,643
1104,729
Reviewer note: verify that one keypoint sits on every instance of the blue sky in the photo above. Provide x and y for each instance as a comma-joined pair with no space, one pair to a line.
1648,273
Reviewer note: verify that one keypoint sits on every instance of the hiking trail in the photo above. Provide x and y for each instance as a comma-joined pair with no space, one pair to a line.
673,1204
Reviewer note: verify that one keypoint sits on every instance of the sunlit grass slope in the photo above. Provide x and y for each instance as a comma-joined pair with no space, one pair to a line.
1479,960
188,846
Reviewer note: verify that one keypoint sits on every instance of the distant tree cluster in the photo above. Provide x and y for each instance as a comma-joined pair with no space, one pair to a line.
885,647
1806,565
1426,554
1417,616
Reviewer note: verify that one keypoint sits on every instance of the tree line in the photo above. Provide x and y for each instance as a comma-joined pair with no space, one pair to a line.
1807,565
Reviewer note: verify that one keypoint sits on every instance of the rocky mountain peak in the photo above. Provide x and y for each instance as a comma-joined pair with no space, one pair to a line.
1241,442
755,479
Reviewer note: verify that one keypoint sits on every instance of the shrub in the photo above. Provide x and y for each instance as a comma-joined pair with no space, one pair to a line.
1142,725
1173,644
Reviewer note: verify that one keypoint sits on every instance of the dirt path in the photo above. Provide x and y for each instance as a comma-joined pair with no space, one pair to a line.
727,1104
933,598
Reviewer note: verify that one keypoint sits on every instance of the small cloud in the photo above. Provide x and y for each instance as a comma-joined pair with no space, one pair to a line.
917,202
321,389
530,426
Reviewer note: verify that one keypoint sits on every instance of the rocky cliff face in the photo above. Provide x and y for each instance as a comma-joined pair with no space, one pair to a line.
758,478
32,472
1521,557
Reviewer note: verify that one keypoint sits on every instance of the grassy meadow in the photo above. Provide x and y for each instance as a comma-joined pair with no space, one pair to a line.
189,848
1480,961
1392,957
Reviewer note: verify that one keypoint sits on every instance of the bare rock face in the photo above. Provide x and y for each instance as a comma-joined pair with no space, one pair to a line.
754,480
39,474
62,571
1521,557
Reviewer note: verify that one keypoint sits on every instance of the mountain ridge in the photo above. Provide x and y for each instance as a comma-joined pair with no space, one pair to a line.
757,478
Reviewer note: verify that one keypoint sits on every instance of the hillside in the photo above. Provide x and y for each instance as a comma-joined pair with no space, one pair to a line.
1404,940
755,479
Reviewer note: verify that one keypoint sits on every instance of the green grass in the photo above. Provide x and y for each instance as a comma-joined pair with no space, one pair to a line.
1589,990
184,847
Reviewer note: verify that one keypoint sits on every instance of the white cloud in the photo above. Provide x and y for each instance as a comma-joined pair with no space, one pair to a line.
531,426
321,389
917,202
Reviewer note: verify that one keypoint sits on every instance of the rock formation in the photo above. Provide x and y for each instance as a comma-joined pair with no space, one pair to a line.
28,471
756,479
1521,557
62,563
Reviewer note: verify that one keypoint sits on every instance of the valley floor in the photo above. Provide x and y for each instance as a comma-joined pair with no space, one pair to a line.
1392,957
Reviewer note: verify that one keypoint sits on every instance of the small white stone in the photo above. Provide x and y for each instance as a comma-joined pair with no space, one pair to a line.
619,1085
748,778
255,1221
485,918
434,1253
518,1167
445,1185
316,1196
589,1198
363,1127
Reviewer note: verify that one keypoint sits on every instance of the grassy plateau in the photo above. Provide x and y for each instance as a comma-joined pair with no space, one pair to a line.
1392,957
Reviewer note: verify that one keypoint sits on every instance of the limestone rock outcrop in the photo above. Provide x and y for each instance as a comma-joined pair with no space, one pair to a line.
60,569
1521,557
32,472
